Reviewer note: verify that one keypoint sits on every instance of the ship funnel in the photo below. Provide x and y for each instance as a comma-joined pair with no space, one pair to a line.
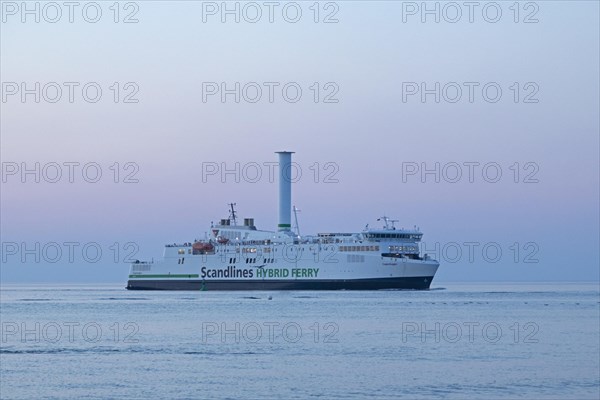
285,191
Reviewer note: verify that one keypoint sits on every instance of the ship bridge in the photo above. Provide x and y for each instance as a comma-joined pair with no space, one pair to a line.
389,233
393,236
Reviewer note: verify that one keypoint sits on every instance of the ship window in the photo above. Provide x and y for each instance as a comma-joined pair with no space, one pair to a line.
181,251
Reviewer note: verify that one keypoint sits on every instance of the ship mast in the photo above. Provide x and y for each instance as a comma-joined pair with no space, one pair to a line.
297,227
232,215
387,221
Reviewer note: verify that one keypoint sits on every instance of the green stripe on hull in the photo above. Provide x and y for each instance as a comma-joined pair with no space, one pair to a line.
165,276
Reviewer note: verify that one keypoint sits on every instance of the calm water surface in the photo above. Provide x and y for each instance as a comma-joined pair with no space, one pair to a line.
460,341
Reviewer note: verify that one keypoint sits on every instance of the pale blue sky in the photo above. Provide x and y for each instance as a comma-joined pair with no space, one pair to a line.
369,133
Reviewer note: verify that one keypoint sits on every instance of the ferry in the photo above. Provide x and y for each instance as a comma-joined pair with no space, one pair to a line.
242,257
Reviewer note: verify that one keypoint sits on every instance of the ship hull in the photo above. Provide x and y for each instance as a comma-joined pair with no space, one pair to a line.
414,283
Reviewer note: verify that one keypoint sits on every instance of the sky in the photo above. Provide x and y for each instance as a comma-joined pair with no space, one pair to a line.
480,127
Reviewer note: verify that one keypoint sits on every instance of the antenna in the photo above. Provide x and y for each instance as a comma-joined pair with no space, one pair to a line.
385,221
297,227
232,215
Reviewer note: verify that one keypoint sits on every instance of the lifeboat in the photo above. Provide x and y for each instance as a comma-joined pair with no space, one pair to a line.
222,240
202,247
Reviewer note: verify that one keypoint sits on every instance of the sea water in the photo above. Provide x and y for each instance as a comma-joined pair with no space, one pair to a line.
463,341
